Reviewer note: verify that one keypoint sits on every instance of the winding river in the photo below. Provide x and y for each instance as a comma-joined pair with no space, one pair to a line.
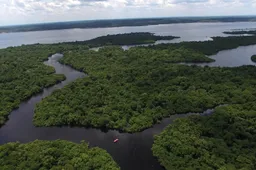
134,150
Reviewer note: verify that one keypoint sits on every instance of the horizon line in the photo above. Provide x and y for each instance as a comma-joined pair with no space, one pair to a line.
41,23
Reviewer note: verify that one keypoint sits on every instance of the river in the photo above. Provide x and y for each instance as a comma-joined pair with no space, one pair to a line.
133,151
187,32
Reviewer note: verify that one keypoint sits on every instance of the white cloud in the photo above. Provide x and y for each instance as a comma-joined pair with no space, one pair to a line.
31,11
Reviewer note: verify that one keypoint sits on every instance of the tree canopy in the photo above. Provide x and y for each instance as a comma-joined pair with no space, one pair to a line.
225,140
54,155
253,58
132,90
23,74
127,39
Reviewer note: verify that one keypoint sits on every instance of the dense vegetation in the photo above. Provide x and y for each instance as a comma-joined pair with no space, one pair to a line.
252,32
54,155
211,47
126,39
253,58
23,74
122,22
131,90
225,140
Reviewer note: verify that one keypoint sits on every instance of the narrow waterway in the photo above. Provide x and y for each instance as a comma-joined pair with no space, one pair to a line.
133,151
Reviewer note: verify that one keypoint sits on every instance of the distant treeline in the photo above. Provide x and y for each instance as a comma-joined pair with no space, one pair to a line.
122,22
252,32
210,47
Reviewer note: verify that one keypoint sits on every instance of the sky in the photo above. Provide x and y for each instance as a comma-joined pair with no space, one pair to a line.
14,12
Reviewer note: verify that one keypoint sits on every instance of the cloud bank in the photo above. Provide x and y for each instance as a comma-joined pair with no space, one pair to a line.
36,11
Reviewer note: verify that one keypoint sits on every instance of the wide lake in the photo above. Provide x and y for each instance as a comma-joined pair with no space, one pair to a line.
133,151
187,32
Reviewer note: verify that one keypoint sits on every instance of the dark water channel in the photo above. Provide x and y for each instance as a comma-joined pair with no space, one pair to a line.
133,151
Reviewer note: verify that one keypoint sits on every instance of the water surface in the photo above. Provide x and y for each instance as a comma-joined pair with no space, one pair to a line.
187,32
231,58
133,151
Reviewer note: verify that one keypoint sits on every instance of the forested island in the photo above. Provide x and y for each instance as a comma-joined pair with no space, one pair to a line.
210,47
122,23
250,32
132,90
126,39
224,140
253,58
54,155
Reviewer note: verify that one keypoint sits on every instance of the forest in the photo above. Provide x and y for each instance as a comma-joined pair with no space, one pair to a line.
134,89
225,140
122,22
250,32
253,58
125,39
54,155
211,47
130,90
23,74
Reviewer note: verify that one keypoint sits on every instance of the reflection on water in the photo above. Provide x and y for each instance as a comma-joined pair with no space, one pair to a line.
133,151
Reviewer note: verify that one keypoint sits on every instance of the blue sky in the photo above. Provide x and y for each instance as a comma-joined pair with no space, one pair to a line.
36,11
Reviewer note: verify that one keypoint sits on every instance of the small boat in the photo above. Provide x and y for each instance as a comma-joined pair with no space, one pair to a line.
116,140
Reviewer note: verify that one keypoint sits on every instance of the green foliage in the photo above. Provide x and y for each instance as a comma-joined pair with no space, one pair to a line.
131,90
127,39
225,140
122,39
253,58
211,47
54,155
23,74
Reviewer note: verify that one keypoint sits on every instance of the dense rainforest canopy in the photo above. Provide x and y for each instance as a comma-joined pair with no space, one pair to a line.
211,47
225,140
131,90
253,58
54,155
22,73
126,39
